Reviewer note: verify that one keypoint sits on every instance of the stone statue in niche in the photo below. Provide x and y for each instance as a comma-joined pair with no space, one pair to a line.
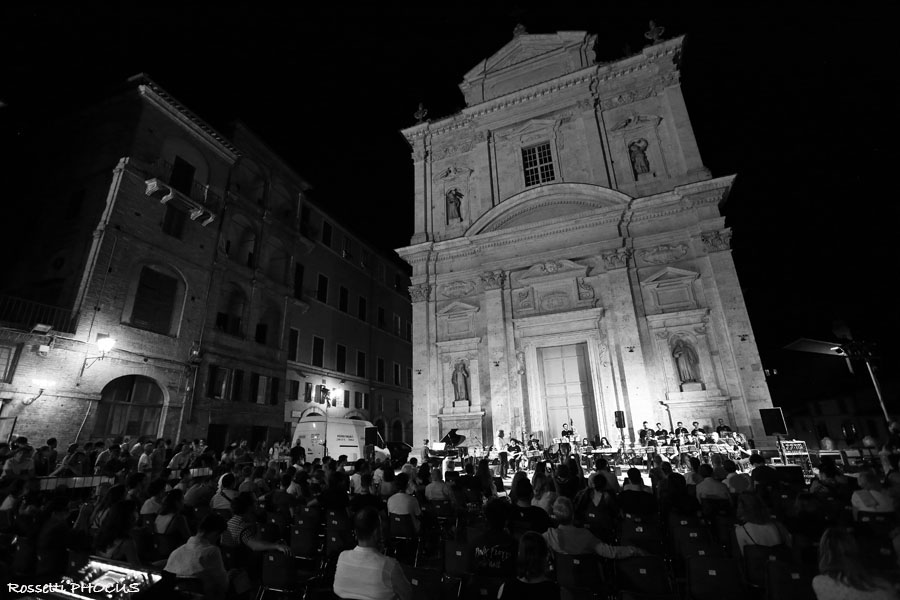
460,380
686,361
454,205
520,362
637,150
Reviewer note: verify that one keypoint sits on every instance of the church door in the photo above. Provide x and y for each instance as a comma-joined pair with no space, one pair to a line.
567,391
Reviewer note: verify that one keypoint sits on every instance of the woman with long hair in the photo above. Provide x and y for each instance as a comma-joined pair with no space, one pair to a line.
532,581
113,496
485,479
169,521
757,527
114,541
544,492
842,573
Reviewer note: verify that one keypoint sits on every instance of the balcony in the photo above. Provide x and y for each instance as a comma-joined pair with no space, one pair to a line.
165,184
25,314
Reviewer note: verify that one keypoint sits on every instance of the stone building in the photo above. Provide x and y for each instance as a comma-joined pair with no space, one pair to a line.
187,247
569,256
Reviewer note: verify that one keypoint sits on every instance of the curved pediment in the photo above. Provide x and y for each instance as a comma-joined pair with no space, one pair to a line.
548,203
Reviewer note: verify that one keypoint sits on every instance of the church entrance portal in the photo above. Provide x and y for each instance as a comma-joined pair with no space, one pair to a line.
567,390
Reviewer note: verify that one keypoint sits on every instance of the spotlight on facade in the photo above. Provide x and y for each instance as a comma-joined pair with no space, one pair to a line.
104,345
42,328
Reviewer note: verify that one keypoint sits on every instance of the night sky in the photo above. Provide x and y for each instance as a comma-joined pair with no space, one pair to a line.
801,105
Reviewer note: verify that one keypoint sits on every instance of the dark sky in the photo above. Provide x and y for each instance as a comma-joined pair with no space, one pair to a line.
799,102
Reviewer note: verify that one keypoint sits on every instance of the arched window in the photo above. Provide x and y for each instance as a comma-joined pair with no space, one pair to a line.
155,300
397,431
129,405
230,315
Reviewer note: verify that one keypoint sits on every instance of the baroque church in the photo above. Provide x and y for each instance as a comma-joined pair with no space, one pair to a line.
569,255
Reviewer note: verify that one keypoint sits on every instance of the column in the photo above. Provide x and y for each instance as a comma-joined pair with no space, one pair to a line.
496,344
424,409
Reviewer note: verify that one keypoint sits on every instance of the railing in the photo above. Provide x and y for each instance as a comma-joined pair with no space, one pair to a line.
196,191
25,314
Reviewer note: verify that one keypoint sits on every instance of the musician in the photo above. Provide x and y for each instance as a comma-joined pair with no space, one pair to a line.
723,428
661,434
644,433
697,430
566,432
425,451
604,443
680,429
500,445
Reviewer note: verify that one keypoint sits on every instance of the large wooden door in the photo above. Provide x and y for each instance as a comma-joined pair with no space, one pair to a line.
567,389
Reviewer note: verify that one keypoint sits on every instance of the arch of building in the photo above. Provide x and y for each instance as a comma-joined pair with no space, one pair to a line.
138,274
132,406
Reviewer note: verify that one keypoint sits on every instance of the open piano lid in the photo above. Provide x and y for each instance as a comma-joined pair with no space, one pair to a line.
453,439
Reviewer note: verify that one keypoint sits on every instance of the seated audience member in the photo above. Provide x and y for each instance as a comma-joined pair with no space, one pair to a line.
201,558
532,579
113,540
710,488
169,520
113,496
200,493
544,492
567,482
437,490
566,538
524,512
595,499
19,464
635,483
871,497
225,494
364,573
14,495
761,473
734,481
830,481
365,497
156,491
757,527
241,527
401,503
494,550
843,574
676,497
136,483
601,467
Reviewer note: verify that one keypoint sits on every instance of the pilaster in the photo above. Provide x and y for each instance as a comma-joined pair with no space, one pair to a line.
493,282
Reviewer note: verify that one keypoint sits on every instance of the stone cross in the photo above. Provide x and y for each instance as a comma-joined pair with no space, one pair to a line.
421,113
655,33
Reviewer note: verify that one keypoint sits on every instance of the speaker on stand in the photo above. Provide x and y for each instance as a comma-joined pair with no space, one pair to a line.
620,424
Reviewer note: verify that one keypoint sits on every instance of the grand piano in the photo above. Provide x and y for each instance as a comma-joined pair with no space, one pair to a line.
450,445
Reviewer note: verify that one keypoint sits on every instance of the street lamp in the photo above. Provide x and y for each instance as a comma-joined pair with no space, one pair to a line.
104,345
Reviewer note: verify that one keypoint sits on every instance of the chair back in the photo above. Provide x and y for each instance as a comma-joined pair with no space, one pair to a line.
312,514
337,519
278,571
578,571
425,583
788,582
304,542
642,535
643,575
483,588
165,543
457,559
401,527
338,540
708,577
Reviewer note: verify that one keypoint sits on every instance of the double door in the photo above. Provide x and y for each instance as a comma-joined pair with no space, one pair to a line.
567,390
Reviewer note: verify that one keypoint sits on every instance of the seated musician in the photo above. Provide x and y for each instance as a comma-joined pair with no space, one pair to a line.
604,443
644,433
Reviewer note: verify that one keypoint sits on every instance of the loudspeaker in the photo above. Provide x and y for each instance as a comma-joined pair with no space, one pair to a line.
773,421
371,436
620,419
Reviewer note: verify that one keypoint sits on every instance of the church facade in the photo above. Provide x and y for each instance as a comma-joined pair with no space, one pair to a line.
569,256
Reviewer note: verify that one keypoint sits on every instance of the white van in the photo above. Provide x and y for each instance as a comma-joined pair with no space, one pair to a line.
321,436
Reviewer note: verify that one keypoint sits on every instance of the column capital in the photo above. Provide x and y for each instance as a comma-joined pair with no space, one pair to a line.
617,259
493,280
419,292
716,241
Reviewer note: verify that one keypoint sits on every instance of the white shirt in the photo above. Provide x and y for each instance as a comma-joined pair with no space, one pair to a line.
356,483
366,574
872,501
201,559
145,463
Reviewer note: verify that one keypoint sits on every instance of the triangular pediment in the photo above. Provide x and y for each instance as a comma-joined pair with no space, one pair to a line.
458,307
671,274
522,49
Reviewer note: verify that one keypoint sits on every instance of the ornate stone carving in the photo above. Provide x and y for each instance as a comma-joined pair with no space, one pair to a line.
460,380
493,280
634,121
457,289
520,362
419,292
603,352
662,335
454,205
586,104
664,253
686,360
525,299
555,301
421,114
617,259
700,329
552,267
716,241
585,291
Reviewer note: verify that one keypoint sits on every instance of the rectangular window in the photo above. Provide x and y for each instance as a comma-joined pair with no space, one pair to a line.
380,403
322,289
379,373
408,377
397,325
323,396
318,352
254,386
217,384
237,385
298,281
366,259
340,359
361,309
261,389
304,220
396,405
262,332
274,388
398,282
174,220
308,392
9,356
357,399
365,400
181,177
294,390
326,233
293,344
344,299
396,374
360,363
382,320
538,163
346,398
347,251
154,301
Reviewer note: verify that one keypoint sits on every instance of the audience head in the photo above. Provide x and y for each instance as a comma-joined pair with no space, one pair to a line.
524,491
401,481
839,558
705,471
365,482
599,483
563,511
496,513
869,481
436,475
533,558
135,480
212,526
751,509
666,468
757,459
634,476
243,503
156,487
172,503
730,466
367,524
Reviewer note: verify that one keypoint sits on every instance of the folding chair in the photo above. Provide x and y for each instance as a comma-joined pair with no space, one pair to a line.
643,575
876,522
686,538
788,582
756,558
878,553
305,543
269,532
425,583
280,575
403,531
708,577
457,559
338,519
310,515
579,574
483,588
642,535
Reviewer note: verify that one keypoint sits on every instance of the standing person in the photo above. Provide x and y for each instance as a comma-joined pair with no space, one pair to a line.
722,428
504,454
54,455
364,573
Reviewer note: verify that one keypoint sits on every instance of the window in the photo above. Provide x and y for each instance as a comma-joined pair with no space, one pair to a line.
182,175
129,405
304,220
360,363
262,331
293,344
361,310
318,352
340,359
237,385
396,405
231,311
365,400
396,374
379,374
294,390
538,163
381,318
344,299
217,384
258,387
366,259
326,233
322,289
298,281
308,392
380,403
274,388
323,395
347,251
397,327
9,356
346,398
174,220
398,282
357,399
154,301
409,378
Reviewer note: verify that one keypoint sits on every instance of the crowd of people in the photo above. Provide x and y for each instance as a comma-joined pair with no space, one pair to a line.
209,519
